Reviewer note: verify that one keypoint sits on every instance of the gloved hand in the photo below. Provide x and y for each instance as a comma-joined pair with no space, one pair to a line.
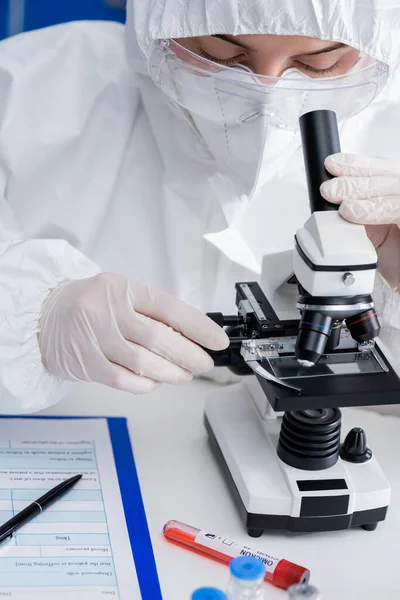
124,334
368,191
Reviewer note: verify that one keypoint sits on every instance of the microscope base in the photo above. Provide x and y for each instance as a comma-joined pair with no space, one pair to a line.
273,495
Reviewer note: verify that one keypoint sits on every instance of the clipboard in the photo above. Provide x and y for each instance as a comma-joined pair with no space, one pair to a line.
135,515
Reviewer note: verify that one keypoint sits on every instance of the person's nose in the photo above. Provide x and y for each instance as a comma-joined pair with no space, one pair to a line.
269,66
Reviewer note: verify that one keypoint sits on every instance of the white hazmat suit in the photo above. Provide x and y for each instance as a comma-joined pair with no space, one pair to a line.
98,174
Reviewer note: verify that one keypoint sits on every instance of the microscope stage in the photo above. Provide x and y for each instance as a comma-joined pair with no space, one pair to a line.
274,495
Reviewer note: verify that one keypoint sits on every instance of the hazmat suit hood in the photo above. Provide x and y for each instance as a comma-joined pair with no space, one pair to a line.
244,231
371,26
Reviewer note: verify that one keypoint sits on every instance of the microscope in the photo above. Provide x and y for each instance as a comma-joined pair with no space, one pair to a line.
277,433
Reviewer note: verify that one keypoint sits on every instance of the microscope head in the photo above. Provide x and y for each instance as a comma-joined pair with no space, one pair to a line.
325,355
334,260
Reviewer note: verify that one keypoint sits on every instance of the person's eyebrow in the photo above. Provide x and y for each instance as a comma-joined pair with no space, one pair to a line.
233,40
322,51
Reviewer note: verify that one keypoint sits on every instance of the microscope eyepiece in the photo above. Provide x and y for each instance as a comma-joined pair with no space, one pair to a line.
320,138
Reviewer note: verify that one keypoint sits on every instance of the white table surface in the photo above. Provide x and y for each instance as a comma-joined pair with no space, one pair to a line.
180,480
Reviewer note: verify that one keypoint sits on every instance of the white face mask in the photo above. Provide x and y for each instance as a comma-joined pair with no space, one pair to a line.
248,143
250,153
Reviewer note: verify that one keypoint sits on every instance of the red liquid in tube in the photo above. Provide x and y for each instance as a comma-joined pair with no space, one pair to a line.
280,572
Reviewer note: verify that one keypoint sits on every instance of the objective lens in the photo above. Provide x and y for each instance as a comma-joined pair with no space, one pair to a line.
334,338
314,332
364,326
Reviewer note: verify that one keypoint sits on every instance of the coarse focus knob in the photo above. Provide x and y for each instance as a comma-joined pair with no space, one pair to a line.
354,448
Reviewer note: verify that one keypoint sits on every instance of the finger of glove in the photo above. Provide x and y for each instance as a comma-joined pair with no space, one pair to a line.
145,363
374,211
166,342
356,188
360,166
183,318
120,378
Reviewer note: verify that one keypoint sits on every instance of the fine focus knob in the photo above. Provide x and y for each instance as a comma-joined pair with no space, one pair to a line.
354,448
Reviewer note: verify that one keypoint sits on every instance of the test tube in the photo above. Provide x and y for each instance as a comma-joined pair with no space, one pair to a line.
247,576
279,571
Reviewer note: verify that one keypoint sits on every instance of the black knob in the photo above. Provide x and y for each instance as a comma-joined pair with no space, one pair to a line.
354,448
217,317
225,320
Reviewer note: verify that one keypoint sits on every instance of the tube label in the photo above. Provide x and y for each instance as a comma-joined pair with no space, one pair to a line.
233,550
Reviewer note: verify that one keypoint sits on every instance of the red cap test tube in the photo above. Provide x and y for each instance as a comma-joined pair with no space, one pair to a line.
280,572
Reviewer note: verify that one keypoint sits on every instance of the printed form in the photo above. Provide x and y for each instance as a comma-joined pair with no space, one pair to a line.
78,548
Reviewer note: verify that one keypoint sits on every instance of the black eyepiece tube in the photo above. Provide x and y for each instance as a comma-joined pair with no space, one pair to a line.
320,138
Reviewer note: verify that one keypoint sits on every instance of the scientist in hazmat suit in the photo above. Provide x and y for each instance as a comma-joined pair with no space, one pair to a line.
168,153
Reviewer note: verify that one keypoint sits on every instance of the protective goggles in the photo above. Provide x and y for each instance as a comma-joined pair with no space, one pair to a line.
237,95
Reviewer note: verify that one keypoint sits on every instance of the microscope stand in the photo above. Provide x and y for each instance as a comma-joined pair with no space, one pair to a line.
274,495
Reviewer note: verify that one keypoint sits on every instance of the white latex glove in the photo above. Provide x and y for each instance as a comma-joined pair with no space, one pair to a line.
124,334
368,191
222,376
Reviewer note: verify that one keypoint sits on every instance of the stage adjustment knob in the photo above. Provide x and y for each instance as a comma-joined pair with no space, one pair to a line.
354,448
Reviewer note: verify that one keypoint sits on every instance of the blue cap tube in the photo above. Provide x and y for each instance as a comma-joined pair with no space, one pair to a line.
208,594
247,568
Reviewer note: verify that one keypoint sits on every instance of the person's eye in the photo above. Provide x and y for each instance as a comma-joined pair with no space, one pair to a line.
318,72
227,62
